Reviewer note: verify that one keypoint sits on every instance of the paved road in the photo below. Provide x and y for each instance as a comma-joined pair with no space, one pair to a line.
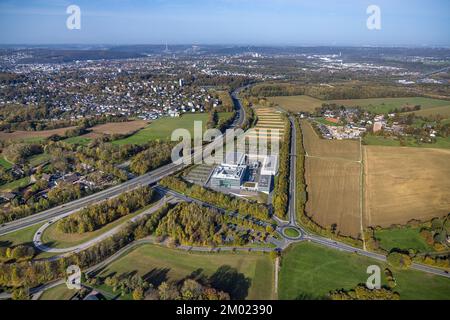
37,241
146,179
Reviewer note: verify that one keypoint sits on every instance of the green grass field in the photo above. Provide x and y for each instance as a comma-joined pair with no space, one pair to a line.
384,105
297,103
402,238
5,163
23,236
370,139
174,265
162,129
291,233
78,140
444,111
16,184
60,292
38,159
310,271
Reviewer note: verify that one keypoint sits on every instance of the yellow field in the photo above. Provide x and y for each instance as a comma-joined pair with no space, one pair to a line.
402,184
333,182
333,194
297,103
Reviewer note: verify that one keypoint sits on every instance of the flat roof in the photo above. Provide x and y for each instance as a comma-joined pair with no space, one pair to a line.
264,181
270,163
234,158
228,172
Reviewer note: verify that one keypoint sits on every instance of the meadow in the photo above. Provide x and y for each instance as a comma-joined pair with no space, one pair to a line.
310,271
253,273
162,129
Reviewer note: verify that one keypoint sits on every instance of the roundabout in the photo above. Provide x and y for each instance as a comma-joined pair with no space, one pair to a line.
292,233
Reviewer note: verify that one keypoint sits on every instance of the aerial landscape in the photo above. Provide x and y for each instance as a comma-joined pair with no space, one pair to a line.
172,161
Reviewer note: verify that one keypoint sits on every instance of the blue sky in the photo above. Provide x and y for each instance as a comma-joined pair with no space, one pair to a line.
256,22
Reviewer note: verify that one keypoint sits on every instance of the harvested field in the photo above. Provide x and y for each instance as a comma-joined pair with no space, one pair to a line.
297,103
333,173
321,148
402,184
34,135
333,194
116,128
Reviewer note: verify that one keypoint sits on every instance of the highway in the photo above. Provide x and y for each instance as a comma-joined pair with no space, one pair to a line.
146,179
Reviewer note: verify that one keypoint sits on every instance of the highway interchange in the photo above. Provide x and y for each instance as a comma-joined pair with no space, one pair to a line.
50,216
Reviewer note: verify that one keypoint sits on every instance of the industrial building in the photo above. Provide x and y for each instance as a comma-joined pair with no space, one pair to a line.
245,172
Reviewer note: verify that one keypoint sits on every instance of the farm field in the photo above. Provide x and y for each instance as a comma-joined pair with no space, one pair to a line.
402,184
317,147
384,105
33,136
310,271
402,238
373,140
297,103
116,128
332,174
162,129
333,189
251,274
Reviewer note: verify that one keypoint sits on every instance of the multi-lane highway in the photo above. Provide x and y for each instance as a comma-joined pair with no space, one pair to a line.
146,179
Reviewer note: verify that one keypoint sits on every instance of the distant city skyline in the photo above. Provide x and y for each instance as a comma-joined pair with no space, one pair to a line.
239,22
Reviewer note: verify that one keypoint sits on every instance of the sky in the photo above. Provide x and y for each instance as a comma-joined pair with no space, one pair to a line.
240,22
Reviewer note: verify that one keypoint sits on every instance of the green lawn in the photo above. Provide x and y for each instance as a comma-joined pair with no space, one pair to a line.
60,292
402,238
369,139
174,265
291,233
310,271
23,236
5,163
16,184
80,140
162,129
384,105
38,159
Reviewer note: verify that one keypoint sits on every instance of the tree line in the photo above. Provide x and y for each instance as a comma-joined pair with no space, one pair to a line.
96,216
218,199
281,190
